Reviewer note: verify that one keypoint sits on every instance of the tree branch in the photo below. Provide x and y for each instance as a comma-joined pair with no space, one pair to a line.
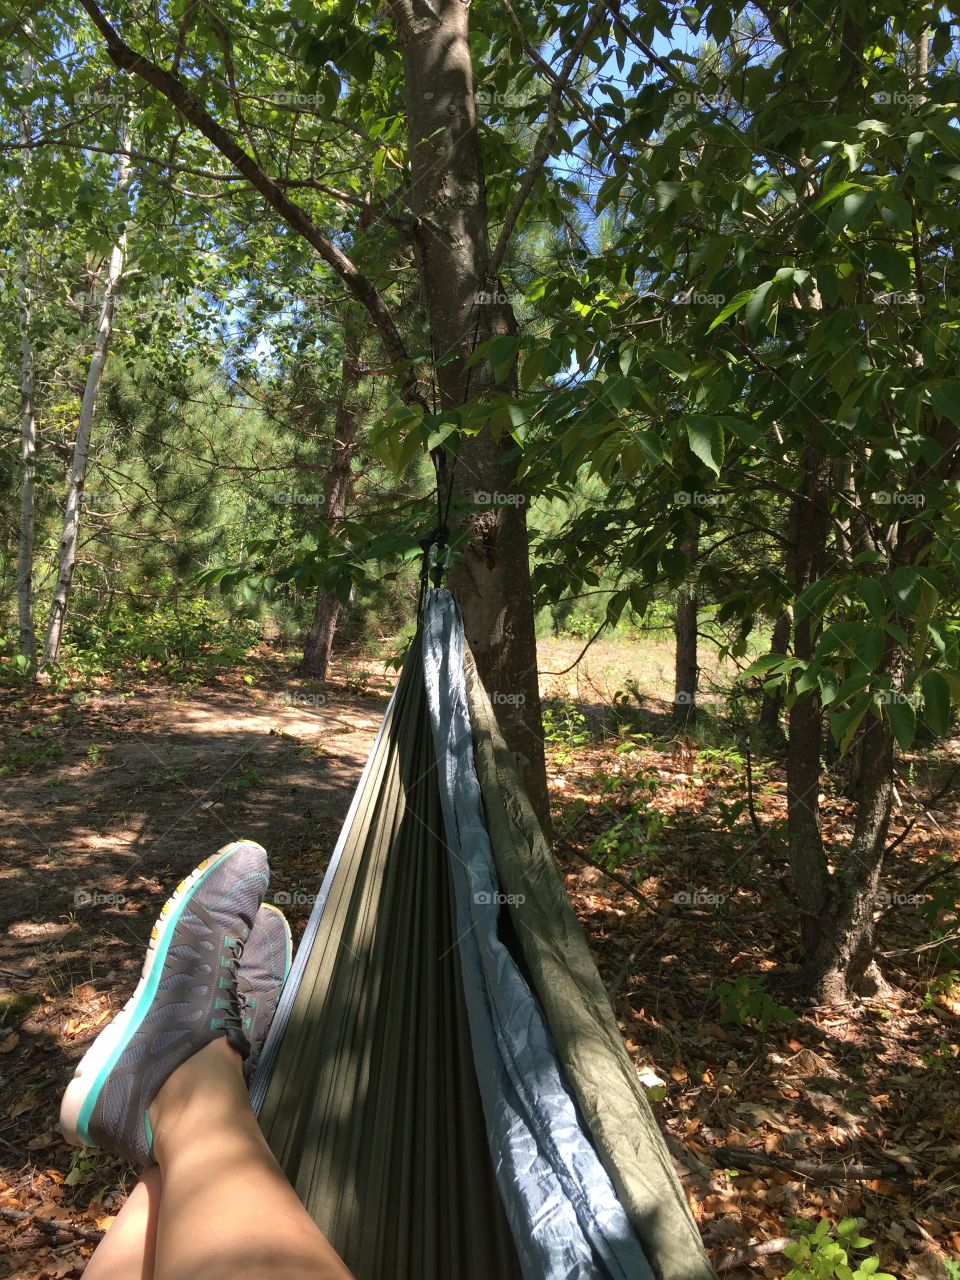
542,151
175,91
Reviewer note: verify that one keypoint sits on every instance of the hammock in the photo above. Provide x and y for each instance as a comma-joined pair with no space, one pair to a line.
444,1084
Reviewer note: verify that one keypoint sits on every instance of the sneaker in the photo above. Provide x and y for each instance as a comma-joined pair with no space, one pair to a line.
263,971
186,997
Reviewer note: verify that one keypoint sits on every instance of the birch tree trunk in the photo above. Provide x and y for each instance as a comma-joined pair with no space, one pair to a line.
81,450
464,307
28,418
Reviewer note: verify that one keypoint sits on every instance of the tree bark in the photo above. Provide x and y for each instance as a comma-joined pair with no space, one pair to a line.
448,197
685,635
842,958
319,642
28,416
808,863
81,450
770,707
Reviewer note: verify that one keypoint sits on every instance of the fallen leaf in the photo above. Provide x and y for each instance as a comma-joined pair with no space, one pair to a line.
10,1042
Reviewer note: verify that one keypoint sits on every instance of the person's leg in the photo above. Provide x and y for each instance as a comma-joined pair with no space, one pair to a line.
127,1251
227,1212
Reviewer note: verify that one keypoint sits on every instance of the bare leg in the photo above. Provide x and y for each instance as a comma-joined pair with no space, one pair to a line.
227,1212
127,1251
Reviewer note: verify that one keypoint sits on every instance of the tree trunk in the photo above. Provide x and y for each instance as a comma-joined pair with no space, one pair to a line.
769,718
685,635
808,863
81,451
319,642
28,419
842,960
464,307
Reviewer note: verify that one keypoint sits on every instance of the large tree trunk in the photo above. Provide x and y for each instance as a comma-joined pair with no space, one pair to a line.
319,642
28,418
808,863
81,450
492,577
685,635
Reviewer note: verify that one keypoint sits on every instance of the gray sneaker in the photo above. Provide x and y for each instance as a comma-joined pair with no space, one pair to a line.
263,971
186,997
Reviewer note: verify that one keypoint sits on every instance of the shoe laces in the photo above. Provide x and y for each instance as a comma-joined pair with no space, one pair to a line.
232,1014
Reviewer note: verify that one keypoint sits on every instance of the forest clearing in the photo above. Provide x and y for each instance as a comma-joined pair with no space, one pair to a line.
481,608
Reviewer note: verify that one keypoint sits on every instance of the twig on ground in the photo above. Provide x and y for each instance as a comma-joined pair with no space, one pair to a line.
809,1168
751,1251
53,1225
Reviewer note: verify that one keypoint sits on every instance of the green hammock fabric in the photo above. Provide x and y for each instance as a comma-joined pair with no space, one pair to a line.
372,1107
588,1041
368,1087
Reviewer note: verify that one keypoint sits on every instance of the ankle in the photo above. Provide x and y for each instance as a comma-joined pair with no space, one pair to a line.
201,1089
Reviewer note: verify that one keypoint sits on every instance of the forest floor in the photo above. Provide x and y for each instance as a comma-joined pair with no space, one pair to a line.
774,1111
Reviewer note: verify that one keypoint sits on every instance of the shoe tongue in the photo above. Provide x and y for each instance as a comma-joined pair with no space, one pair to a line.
239,1041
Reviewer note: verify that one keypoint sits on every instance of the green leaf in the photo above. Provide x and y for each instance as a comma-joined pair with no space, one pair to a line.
946,400
502,354
733,305
706,441
903,720
758,309
835,192
844,724
907,588
893,266
621,392
936,702
674,564
770,662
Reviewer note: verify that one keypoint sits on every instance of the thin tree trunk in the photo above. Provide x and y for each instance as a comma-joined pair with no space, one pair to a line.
81,451
842,957
808,863
492,577
28,419
319,642
685,635
769,718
